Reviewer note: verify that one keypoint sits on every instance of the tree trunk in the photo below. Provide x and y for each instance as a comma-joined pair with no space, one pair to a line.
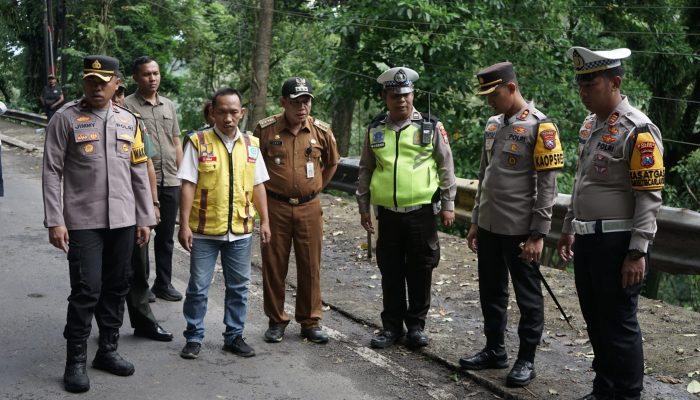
345,99
260,68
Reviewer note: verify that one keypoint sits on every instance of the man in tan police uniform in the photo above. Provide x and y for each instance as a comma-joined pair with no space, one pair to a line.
512,214
301,156
611,220
94,151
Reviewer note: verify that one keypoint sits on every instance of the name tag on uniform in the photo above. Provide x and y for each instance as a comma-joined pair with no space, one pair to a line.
489,144
309,169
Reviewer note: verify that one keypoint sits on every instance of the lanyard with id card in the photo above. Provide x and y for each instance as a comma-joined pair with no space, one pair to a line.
309,163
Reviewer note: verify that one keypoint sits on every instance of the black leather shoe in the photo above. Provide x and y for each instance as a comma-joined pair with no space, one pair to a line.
151,297
522,374
168,293
594,396
417,338
384,339
486,359
314,334
156,332
274,333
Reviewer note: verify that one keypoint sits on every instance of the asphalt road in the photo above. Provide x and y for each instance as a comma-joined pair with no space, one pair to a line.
33,292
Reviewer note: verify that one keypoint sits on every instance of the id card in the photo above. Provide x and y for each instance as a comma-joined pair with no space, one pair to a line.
309,169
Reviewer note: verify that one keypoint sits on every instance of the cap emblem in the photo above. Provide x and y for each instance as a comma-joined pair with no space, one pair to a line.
400,76
96,64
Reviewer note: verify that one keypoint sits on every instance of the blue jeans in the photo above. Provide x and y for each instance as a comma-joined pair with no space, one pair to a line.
235,259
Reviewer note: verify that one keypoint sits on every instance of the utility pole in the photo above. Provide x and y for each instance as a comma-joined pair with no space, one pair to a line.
48,38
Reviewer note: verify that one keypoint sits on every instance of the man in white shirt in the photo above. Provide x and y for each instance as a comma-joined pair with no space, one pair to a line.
222,175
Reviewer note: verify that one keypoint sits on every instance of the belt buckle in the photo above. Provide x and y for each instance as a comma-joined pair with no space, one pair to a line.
294,201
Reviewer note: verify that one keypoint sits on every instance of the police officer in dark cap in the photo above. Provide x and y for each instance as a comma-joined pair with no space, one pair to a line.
512,214
96,202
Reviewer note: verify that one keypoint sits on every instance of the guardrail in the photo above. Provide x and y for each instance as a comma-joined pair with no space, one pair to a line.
32,118
676,247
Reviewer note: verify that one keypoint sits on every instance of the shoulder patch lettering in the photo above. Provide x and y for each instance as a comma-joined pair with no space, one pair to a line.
322,125
264,123
548,152
647,170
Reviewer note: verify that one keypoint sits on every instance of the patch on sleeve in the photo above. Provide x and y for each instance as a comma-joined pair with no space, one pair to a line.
647,170
443,133
322,125
264,123
138,149
548,152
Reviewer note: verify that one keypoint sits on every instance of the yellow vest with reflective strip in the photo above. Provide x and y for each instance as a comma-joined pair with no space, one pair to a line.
223,199
405,173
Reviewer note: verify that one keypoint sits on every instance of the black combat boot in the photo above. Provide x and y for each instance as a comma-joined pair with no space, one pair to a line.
108,359
75,378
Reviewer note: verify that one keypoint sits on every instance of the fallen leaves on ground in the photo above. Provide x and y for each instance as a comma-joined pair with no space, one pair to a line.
668,379
693,387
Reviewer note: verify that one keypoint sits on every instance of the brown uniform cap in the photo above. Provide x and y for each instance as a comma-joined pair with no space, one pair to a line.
490,77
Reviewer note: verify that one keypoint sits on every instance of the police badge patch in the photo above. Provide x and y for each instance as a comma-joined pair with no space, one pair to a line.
377,140
549,138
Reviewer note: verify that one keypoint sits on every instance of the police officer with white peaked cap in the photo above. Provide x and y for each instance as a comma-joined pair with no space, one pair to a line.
611,220
405,167
512,214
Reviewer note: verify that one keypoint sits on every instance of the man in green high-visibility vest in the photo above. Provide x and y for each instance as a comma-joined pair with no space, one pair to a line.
406,171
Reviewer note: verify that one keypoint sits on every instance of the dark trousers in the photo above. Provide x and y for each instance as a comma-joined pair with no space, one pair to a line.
99,262
610,312
169,197
407,251
140,312
498,255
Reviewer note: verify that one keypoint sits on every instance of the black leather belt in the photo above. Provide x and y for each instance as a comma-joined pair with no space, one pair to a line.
295,201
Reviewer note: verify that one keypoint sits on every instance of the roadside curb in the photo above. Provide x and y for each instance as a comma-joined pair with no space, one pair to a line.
20,144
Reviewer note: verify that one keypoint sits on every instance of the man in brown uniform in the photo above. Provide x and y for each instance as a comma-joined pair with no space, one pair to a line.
94,152
158,114
301,156
615,200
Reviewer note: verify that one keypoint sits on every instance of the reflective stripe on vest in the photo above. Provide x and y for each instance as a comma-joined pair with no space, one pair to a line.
224,190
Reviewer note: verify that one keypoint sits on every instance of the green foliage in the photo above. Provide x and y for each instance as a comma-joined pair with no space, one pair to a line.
686,195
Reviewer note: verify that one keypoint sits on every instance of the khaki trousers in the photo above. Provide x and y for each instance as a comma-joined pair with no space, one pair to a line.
301,225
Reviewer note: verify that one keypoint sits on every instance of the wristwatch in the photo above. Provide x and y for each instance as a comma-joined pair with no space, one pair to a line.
534,235
635,254
156,203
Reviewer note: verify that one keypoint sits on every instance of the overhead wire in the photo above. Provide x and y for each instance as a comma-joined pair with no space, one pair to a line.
551,45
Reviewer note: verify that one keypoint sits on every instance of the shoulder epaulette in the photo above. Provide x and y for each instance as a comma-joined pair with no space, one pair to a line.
121,108
322,125
639,119
377,120
430,117
264,123
538,114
